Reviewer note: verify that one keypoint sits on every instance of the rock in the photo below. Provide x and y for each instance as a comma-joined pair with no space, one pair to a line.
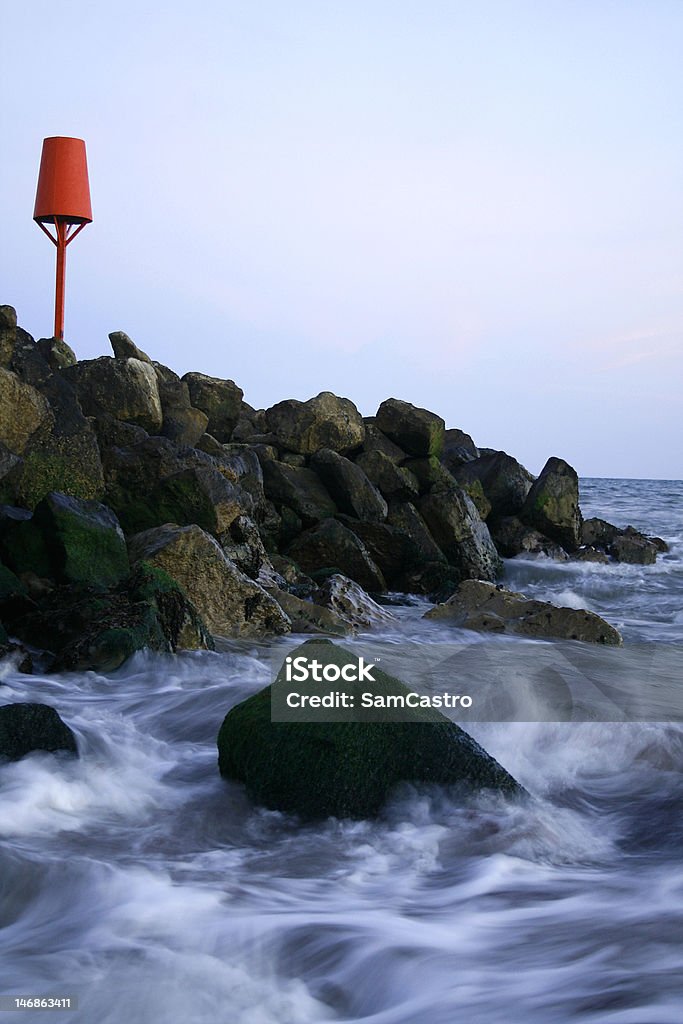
476,493
307,617
633,547
404,517
320,768
113,433
660,544
182,422
429,473
90,628
299,489
590,554
219,399
455,525
69,540
458,448
241,466
242,544
23,412
8,462
513,537
348,486
350,602
376,441
552,504
124,348
28,727
56,353
325,421
127,389
8,334
332,546
394,483
229,602
598,533
417,431
27,360
505,482
200,495
293,459
389,549
485,607
208,443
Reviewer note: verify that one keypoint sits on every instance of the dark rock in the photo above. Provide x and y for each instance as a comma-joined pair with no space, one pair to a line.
376,441
347,769
458,448
393,482
552,504
464,538
241,466
242,544
8,334
325,421
590,554
484,607
598,533
27,361
124,348
390,549
331,546
417,431
219,399
476,493
293,459
23,412
127,389
633,547
299,489
208,443
429,473
349,601
182,422
405,518
28,727
348,486
56,353
307,617
113,433
513,537
505,481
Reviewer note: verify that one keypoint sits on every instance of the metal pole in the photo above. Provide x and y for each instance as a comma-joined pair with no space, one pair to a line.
61,278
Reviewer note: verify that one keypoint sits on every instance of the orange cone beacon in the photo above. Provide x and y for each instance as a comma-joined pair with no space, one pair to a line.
63,201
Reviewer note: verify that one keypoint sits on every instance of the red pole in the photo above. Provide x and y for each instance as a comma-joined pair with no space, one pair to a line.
61,278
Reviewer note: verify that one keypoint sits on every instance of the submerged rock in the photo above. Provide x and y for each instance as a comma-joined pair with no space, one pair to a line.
28,727
345,768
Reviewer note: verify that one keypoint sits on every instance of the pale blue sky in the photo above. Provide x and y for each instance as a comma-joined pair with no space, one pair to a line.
472,206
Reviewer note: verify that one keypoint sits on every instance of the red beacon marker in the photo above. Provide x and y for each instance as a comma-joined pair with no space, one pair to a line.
62,200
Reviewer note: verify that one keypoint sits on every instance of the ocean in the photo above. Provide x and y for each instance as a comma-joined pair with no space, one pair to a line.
140,884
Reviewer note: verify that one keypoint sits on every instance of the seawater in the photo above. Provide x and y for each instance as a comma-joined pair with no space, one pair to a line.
138,881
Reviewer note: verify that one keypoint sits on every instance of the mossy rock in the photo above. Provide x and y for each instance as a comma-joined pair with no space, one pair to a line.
28,727
317,768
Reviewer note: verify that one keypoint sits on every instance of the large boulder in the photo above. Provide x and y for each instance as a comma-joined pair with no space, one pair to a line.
318,768
219,399
376,441
390,549
505,481
349,487
23,412
124,348
552,504
332,547
513,537
417,431
28,727
298,488
56,353
125,388
461,534
481,606
307,617
182,422
631,546
458,448
325,421
8,334
69,540
395,483
229,602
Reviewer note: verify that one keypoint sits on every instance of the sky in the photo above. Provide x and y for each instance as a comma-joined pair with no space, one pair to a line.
475,207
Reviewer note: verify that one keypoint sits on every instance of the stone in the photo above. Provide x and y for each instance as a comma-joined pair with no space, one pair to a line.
331,546
27,361
69,540
552,504
457,528
229,602
348,486
350,602
598,532
505,482
633,547
208,443
347,769
590,554
127,389
307,617
395,483
458,448
429,473
23,412
325,421
299,489
390,549
124,348
376,441
485,607
405,518
113,433
416,431
8,334
476,493
28,727
513,537
56,353
242,544
181,421
241,466
219,399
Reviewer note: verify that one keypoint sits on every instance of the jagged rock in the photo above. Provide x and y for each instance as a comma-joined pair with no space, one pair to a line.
242,544
113,433
293,459
127,389
394,483
513,537
23,412
458,448
331,546
505,481
348,486
182,422
318,768
229,602
404,517
292,578
552,504
299,489
56,353
376,441
27,361
219,399
208,443
390,549
633,547
429,473
325,421
241,466
350,602
464,538
124,348
69,540
417,431
476,493
28,727
598,532
8,334
485,607
307,617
